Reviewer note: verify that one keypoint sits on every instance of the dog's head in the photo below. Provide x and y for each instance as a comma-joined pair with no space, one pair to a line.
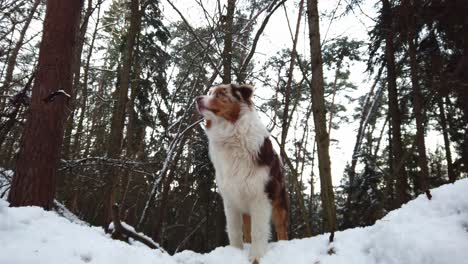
225,102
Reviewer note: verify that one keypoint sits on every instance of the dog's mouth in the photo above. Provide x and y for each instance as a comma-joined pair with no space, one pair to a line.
201,107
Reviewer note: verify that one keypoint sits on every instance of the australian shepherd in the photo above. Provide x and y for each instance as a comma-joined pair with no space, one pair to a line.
248,170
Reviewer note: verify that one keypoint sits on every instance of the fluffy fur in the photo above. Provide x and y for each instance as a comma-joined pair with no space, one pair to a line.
248,171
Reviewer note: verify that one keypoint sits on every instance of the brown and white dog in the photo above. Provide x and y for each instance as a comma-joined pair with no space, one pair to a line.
248,170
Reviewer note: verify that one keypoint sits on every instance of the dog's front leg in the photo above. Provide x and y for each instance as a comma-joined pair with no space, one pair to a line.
260,214
233,225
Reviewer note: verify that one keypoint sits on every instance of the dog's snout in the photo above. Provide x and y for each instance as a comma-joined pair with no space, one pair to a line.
199,98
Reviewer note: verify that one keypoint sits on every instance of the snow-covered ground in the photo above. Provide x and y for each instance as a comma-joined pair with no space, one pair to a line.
421,232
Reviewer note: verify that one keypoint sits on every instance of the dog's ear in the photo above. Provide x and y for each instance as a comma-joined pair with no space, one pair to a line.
245,91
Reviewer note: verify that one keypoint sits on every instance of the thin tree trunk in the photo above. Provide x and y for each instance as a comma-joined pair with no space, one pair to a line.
389,180
165,195
36,167
76,68
312,187
286,120
84,89
14,53
18,100
395,115
332,106
227,52
114,147
318,106
417,104
365,116
379,139
448,154
287,94
133,129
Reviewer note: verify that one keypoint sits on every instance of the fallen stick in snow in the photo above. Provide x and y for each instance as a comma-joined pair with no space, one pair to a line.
121,231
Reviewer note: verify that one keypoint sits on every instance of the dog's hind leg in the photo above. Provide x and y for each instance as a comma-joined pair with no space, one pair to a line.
280,220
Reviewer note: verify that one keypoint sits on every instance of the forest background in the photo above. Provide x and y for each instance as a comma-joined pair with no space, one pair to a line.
394,94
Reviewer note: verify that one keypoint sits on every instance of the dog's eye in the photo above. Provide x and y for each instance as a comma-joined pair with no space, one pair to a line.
220,94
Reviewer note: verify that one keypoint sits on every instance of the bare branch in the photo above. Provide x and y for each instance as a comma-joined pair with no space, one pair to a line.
247,59
120,229
192,31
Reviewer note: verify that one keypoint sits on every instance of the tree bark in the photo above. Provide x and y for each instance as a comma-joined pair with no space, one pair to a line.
84,89
134,129
448,154
395,114
35,174
389,191
318,106
418,103
76,68
114,147
227,52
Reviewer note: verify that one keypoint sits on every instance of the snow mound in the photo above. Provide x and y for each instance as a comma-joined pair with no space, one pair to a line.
32,235
421,232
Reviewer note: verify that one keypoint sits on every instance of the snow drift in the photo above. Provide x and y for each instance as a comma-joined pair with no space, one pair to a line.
421,231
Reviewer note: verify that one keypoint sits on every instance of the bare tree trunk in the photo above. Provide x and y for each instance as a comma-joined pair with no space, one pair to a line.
227,52
448,154
332,106
84,89
35,174
114,147
318,106
462,92
389,179
133,129
76,68
158,233
14,53
395,115
365,116
417,104
18,100
287,94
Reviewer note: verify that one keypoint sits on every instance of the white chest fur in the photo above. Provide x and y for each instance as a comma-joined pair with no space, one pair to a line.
234,150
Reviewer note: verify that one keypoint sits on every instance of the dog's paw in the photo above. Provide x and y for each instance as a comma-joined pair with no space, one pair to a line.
254,260
257,251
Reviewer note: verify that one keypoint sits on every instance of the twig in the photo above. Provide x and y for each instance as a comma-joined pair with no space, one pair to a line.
162,172
246,61
191,233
